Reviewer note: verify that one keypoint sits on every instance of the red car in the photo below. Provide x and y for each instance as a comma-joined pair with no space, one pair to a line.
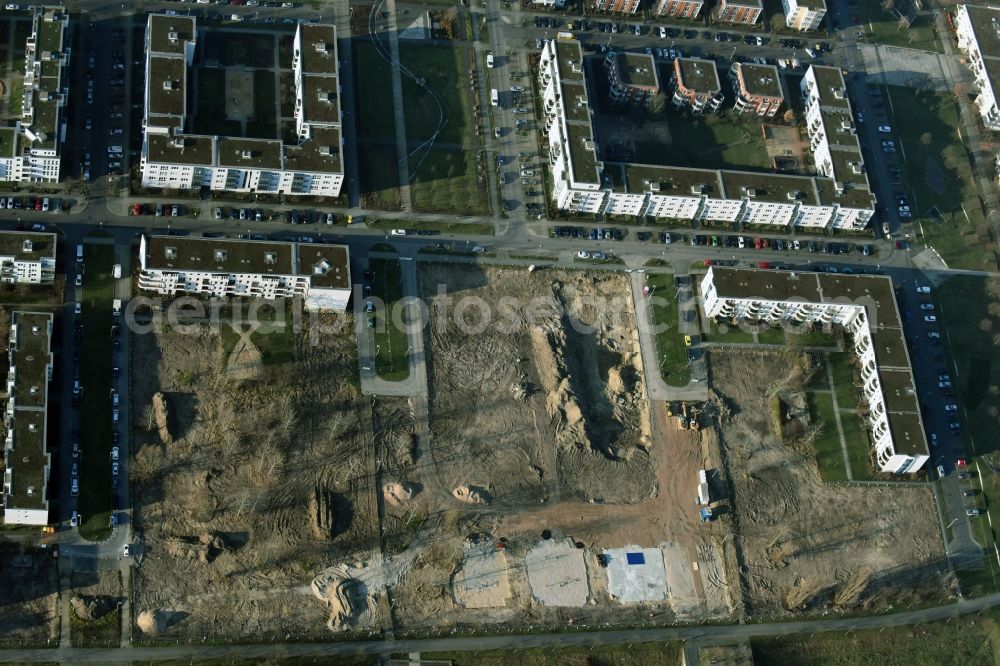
763,264
961,462
38,204
757,244
137,209
707,262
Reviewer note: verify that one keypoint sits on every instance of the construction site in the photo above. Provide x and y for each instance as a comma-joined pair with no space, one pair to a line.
533,484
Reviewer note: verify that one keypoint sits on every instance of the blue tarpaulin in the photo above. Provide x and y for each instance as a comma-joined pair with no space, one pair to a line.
635,558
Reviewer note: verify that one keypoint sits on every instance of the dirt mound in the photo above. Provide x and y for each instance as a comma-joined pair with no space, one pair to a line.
398,494
90,608
157,621
472,495
346,599
329,512
204,548
161,414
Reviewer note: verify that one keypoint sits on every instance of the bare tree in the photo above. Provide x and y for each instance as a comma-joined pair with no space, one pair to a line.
448,18
904,23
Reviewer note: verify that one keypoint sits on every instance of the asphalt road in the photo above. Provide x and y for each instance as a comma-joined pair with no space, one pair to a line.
475,644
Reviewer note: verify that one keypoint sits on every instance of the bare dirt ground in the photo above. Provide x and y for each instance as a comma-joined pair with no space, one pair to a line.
806,544
265,484
28,598
553,426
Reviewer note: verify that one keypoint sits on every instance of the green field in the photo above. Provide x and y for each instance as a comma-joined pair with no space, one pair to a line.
265,122
670,345
829,454
379,176
445,70
936,167
843,380
771,336
815,338
374,114
969,639
883,27
95,501
391,359
637,654
709,142
733,335
473,228
969,308
447,182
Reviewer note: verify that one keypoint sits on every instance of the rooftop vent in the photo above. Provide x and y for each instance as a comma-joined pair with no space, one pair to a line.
321,267
270,257
698,189
169,85
839,93
793,195
32,427
27,246
36,330
31,491
325,96
170,252
33,390
856,167
748,192
172,36
246,154
220,255
177,143
327,151
322,47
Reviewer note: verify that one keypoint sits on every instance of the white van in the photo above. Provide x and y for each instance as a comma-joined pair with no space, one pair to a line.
489,60
494,97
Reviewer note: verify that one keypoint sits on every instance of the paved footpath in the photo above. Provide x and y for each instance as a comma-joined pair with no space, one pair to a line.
727,633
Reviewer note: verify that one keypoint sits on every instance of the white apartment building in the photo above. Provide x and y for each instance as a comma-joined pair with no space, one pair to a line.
319,273
174,158
27,257
804,14
865,306
572,150
26,474
30,151
978,33
583,183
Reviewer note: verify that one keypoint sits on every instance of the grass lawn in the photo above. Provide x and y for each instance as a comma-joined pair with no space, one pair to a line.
772,336
638,654
379,176
265,122
709,142
445,70
95,501
475,228
275,341
858,446
211,117
669,339
446,182
986,580
969,311
391,362
943,192
843,380
374,114
969,639
815,338
733,335
883,27
829,454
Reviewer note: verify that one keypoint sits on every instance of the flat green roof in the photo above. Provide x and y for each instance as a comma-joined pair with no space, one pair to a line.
830,84
320,98
699,75
30,359
769,187
159,29
183,149
166,86
811,4
637,69
571,98
249,153
569,57
982,26
673,181
321,59
761,80
583,159
852,196
12,244
329,266
321,153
